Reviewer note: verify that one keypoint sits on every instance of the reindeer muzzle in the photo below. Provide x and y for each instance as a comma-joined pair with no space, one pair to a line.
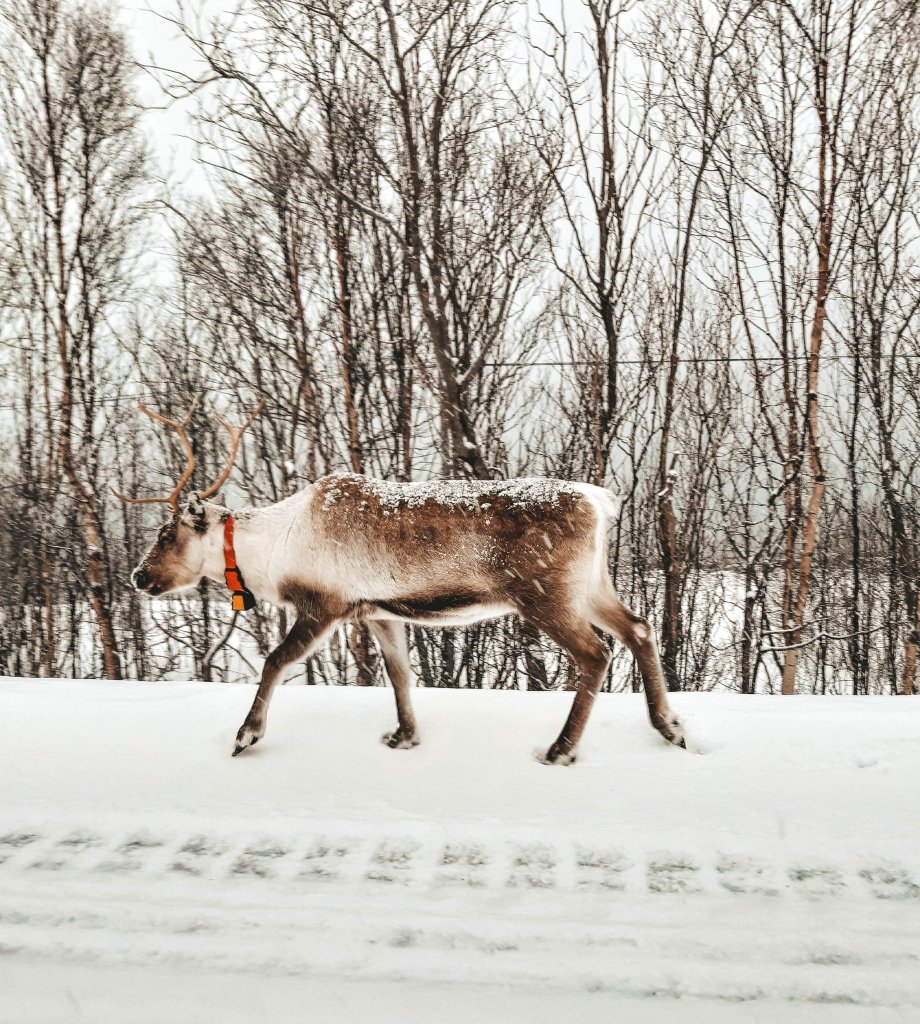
142,581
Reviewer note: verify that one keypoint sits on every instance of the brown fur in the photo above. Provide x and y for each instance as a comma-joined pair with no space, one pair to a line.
504,546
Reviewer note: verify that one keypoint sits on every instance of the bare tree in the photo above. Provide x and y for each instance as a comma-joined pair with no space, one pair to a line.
71,130
885,302
674,254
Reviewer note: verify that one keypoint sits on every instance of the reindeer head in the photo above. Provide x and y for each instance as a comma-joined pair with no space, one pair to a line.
177,558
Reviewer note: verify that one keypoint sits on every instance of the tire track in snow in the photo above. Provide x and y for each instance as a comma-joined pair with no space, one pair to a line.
521,911
394,860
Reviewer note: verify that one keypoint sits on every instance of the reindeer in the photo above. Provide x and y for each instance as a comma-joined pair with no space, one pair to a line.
444,553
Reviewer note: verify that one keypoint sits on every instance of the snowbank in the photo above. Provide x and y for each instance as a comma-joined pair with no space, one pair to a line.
773,866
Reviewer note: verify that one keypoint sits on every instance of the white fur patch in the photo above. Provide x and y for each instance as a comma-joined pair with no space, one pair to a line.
453,617
606,507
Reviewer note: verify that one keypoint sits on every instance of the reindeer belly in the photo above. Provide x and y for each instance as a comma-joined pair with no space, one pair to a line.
443,608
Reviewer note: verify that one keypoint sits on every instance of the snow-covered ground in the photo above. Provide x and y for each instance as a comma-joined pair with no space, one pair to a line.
770,873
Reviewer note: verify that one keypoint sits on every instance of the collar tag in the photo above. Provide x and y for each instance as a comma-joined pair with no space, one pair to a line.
242,601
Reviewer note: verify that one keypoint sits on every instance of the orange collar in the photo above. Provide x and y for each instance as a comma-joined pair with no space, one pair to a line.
242,598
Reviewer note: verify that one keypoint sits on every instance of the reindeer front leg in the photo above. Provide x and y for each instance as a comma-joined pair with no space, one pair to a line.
395,650
306,635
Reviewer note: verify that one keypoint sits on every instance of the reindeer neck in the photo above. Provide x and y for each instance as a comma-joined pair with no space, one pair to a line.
256,534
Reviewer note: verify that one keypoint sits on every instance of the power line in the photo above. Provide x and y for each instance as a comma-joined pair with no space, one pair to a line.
845,357
566,363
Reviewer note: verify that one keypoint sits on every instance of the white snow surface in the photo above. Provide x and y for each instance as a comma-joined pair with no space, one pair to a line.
769,873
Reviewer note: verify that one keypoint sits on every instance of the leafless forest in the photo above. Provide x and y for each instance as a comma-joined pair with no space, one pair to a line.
667,247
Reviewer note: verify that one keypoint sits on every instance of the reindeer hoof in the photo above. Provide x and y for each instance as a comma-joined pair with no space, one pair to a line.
396,740
246,737
555,756
672,730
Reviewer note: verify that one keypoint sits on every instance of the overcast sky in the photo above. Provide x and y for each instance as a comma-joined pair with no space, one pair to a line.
157,42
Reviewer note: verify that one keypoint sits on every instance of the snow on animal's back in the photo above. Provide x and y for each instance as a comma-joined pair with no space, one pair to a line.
461,496
489,522
352,496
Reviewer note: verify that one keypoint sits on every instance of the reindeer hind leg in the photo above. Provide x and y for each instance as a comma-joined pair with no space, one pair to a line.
609,614
576,637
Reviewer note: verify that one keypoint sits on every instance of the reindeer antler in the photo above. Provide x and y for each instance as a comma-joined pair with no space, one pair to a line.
179,426
235,434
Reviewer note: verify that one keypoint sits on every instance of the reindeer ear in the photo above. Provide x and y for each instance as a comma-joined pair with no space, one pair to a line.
196,514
